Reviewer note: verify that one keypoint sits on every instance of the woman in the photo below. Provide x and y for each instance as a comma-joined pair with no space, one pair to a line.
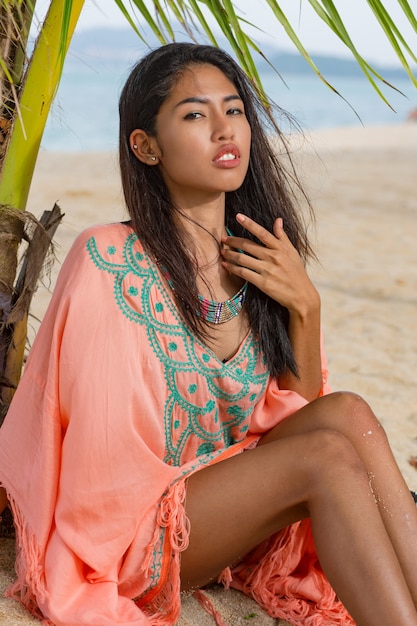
173,424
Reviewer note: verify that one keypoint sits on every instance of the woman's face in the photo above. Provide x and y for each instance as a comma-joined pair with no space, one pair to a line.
202,137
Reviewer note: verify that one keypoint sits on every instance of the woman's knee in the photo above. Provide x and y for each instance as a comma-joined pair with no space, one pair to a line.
331,454
356,415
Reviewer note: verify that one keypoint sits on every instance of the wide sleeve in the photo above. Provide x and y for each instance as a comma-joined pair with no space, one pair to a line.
276,404
81,458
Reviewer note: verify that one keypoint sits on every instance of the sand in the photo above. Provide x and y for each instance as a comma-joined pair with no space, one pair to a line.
363,184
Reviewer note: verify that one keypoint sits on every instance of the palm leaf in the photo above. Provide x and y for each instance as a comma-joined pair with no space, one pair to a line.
394,35
144,12
35,99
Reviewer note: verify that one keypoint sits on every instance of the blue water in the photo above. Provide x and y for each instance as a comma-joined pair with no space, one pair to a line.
84,116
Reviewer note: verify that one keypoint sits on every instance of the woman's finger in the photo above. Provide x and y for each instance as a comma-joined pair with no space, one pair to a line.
244,246
252,276
234,257
261,233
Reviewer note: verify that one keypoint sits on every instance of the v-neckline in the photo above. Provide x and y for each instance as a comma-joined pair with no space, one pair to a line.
200,342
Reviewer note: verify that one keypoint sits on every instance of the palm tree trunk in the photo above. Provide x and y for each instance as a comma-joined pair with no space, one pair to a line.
11,230
15,18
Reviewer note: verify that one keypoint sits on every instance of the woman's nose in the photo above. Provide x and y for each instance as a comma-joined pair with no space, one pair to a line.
223,129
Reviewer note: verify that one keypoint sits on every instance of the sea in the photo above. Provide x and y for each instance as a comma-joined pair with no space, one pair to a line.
84,115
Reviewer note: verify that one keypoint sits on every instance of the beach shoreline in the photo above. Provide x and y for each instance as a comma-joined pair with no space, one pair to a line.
363,185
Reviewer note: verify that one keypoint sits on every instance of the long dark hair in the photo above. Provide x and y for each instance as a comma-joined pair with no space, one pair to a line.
266,193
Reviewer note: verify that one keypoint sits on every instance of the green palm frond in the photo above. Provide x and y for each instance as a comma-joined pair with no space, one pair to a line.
193,17
35,98
146,15
393,34
327,11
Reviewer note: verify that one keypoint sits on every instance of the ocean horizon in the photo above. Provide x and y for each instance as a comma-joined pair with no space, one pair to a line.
84,115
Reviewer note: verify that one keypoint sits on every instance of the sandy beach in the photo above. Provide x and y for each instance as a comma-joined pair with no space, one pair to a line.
363,185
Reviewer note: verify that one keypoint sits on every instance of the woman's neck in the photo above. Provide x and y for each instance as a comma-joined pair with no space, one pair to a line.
203,228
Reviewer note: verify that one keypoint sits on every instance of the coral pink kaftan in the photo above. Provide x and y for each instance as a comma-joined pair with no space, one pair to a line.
118,403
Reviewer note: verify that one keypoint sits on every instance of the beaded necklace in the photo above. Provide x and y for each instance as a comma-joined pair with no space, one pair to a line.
210,310
220,312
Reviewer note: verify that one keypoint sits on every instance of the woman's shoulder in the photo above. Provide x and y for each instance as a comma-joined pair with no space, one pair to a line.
102,239
102,234
101,245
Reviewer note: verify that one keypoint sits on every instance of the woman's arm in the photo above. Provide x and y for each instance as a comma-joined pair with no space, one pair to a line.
304,334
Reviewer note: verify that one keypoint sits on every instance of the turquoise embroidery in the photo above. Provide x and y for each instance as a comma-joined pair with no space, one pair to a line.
218,415
111,250
154,571
205,448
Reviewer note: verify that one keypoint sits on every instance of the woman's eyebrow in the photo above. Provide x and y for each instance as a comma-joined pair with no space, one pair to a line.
203,100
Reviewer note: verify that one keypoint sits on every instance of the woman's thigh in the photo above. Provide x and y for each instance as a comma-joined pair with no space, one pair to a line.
236,504
349,415
344,412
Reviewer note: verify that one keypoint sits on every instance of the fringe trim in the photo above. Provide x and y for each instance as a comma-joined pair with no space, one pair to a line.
163,604
275,581
30,583
207,605
225,578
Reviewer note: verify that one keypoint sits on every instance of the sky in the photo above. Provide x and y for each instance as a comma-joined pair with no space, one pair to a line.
316,37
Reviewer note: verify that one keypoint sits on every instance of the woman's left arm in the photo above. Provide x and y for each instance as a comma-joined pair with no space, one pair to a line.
304,334
277,269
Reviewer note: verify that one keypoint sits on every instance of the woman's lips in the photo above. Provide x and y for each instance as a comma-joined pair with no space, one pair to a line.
228,156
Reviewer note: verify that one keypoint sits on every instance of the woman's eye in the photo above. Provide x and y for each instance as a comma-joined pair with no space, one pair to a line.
235,111
194,115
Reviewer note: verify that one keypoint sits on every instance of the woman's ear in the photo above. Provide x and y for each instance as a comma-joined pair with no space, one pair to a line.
144,147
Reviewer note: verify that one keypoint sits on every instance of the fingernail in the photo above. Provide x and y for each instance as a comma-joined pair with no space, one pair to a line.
240,217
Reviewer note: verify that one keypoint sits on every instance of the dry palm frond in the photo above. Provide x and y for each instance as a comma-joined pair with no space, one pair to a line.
35,262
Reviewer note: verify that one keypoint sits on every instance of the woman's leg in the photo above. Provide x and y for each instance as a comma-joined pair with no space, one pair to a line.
236,504
351,416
